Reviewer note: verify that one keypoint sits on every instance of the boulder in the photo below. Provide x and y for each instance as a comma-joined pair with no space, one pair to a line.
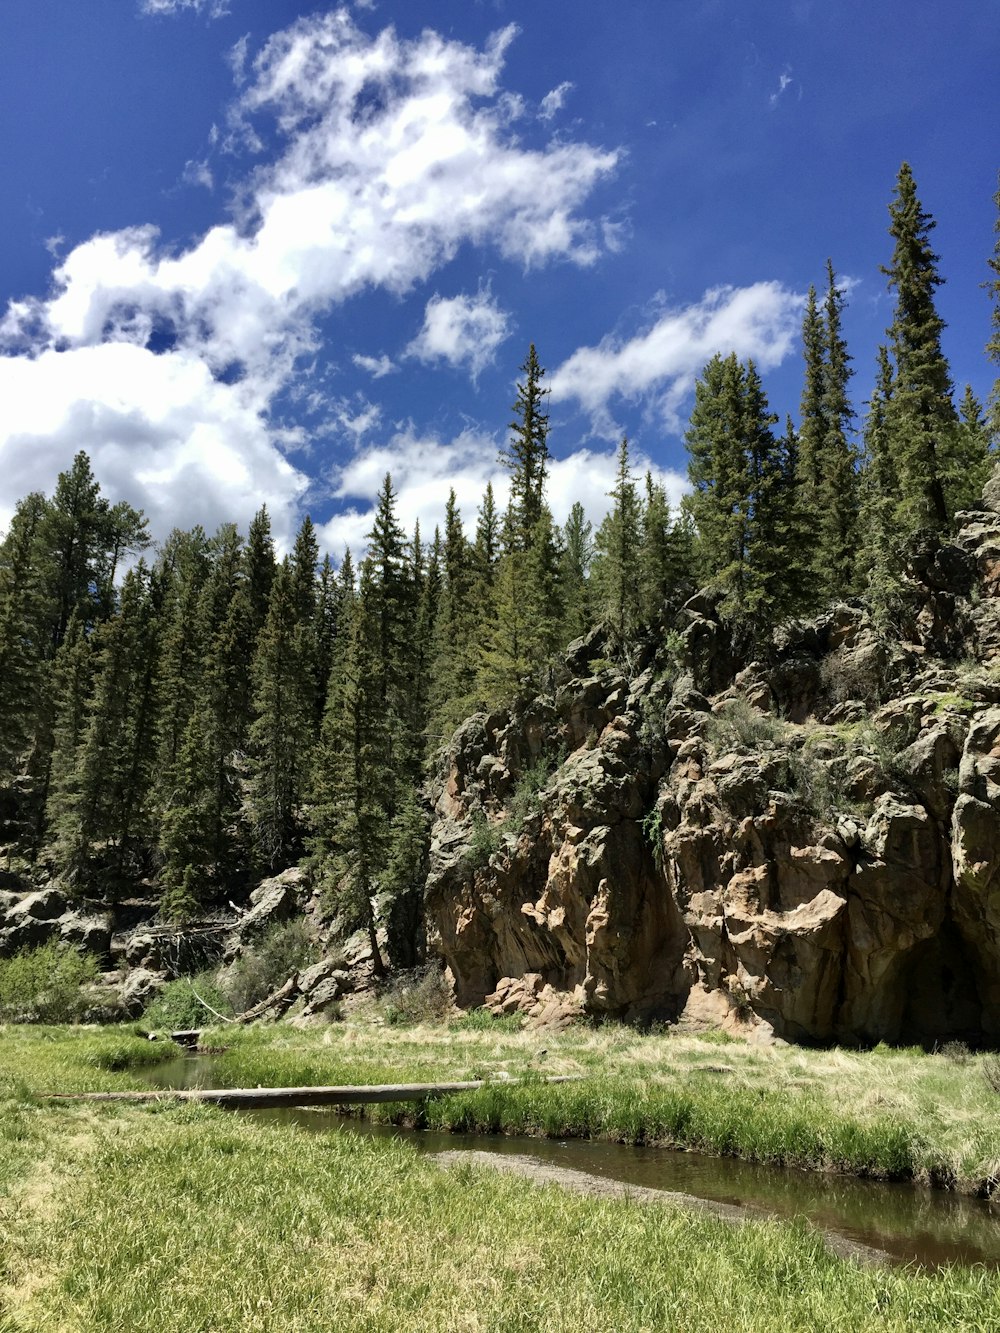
139,989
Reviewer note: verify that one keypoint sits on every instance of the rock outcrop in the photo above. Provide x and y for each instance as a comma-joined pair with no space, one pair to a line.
800,841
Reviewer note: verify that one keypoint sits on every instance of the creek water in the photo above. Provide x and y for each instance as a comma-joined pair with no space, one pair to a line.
911,1223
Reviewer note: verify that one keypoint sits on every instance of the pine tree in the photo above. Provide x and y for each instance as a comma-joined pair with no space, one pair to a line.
104,816
972,458
261,567
838,493
453,647
527,452
24,632
617,562
186,566
280,734
86,540
352,793
578,554
718,471
921,417
813,426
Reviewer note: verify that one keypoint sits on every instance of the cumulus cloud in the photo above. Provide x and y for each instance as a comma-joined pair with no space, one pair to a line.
461,330
161,432
391,155
660,365
553,101
425,467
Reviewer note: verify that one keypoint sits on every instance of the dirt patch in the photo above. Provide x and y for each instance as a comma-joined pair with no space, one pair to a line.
544,1173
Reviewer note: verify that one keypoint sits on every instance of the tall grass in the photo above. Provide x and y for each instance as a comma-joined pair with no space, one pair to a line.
186,1219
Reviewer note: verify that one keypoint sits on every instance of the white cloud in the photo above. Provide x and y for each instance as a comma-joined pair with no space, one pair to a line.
660,365
394,153
376,366
553,101
198,173
424,468
160,432
784,82
462,330
215,9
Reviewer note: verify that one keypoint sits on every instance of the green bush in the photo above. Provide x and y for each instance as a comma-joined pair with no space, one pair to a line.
178,1008
741,726
485,840
45,985
287,947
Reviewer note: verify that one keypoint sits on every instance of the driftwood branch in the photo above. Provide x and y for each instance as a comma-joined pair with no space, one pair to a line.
205,1005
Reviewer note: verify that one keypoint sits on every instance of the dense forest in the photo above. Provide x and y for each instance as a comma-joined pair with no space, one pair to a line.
218,713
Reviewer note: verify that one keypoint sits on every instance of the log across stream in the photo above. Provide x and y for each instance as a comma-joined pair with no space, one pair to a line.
905,1223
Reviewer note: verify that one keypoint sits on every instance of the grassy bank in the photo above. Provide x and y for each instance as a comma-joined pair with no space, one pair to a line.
184,1218
883,1113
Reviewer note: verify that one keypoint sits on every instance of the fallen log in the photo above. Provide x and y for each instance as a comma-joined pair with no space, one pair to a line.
250,1098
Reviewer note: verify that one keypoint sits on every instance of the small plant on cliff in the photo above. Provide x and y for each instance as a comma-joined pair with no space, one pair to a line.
485,840
652,831
739,725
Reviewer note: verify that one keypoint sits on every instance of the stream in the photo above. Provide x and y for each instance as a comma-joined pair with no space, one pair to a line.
911,1223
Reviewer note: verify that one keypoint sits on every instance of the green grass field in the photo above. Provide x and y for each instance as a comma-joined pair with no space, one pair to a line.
183,1217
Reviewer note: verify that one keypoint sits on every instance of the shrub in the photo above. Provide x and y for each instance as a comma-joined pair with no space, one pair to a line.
485,840
738,725
178,1006
45,985
421,996
286,948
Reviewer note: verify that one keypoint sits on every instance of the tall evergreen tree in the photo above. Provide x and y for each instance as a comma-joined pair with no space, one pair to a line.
617,563
838,494
813,424
578,554
921,415
352,794
104,815
280,734
527,451
24,632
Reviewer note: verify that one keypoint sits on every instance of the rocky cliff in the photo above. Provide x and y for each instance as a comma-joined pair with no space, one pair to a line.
798,840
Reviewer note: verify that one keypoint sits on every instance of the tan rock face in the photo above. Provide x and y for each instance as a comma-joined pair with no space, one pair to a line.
832,873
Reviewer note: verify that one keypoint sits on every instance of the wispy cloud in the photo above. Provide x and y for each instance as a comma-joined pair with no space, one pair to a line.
554,101
376,366
785,81
213,9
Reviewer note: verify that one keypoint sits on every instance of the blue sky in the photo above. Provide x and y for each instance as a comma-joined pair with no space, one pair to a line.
259,252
